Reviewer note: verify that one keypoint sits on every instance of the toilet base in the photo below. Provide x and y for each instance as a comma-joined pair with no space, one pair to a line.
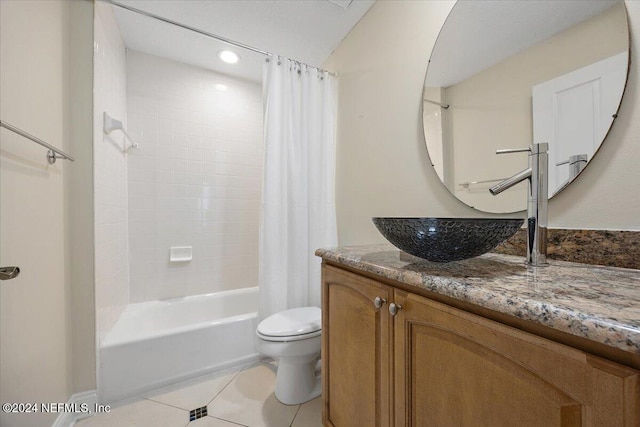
297,380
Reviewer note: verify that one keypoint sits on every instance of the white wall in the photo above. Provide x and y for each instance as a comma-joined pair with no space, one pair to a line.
46,345
110,172
382,164
195,180
33,306
79,203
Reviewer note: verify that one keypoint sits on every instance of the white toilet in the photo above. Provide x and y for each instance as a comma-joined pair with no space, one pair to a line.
293,337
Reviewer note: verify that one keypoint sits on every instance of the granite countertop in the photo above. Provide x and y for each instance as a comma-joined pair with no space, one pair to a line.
601,304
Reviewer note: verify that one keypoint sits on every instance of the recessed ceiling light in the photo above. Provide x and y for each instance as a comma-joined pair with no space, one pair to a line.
221,87
228,56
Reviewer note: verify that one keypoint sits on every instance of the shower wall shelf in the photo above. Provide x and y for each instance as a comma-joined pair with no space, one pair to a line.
52,155
180,253
110,124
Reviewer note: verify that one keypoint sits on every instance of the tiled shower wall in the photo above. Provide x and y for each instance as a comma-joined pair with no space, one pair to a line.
110,172
195,180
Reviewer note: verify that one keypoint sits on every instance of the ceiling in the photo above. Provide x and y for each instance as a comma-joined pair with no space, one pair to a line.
304,30
496,29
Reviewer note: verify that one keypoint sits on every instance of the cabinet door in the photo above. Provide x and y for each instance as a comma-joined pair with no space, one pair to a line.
453,368
355,351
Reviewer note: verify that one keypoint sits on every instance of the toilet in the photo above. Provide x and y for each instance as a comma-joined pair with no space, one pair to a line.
293,338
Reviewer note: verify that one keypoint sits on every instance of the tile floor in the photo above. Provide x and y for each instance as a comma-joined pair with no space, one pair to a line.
242,397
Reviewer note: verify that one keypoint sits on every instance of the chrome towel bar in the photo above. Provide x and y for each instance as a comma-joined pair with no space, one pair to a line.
469,183
445,106
53,152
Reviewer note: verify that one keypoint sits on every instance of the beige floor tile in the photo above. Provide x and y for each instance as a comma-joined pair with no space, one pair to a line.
249,400
192,395
310,414
144,413
213,422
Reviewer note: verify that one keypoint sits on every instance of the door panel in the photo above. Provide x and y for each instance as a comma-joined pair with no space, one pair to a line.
574,112
469,371
355,351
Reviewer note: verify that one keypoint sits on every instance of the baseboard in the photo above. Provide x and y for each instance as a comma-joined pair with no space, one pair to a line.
83,404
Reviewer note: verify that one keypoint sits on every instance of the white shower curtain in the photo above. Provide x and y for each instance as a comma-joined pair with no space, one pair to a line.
298,199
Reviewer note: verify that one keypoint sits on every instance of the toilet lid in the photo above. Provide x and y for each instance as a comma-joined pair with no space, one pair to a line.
297,321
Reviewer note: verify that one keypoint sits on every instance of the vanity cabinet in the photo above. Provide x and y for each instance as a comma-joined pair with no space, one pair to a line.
434,365
356,350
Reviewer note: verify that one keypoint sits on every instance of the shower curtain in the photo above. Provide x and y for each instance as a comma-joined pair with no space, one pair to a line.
298,212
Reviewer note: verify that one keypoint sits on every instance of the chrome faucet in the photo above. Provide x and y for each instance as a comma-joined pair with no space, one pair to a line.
538,197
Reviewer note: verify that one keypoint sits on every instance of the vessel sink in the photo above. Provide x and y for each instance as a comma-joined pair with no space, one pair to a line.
447,239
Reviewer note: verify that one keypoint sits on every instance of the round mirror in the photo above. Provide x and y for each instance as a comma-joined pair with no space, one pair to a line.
506,74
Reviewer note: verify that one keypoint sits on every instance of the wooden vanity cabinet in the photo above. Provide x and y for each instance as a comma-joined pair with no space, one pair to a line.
434,365
356,353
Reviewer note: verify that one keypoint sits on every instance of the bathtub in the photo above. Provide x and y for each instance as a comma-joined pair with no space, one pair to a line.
157,343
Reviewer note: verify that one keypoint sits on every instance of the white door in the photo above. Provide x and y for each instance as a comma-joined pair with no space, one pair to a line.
574,112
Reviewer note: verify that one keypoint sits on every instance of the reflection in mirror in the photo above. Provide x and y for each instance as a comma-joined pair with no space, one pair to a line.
506,74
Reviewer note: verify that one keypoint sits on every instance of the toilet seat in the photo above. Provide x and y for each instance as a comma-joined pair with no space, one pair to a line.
291,325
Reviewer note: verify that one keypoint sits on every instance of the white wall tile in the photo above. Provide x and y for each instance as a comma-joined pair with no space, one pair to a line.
110,172
195,181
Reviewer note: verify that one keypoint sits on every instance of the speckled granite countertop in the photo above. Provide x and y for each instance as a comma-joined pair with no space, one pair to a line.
601,304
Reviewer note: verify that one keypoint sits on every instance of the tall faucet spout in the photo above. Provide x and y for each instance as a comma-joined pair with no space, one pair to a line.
510,182
537,199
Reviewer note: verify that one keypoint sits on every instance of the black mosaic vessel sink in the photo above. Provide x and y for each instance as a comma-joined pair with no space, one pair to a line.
446,239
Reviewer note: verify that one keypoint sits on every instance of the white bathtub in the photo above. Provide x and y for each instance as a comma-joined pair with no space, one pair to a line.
158,343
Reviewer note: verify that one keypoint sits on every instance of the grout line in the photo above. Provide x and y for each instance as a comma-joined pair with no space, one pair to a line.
244,368
167,404
223,388
228,421
294,417
189,385
171,388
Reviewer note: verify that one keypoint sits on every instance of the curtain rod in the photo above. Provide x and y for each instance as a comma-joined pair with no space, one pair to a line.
205,33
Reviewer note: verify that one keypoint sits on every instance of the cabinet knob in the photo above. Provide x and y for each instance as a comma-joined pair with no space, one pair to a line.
394,308
378,302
